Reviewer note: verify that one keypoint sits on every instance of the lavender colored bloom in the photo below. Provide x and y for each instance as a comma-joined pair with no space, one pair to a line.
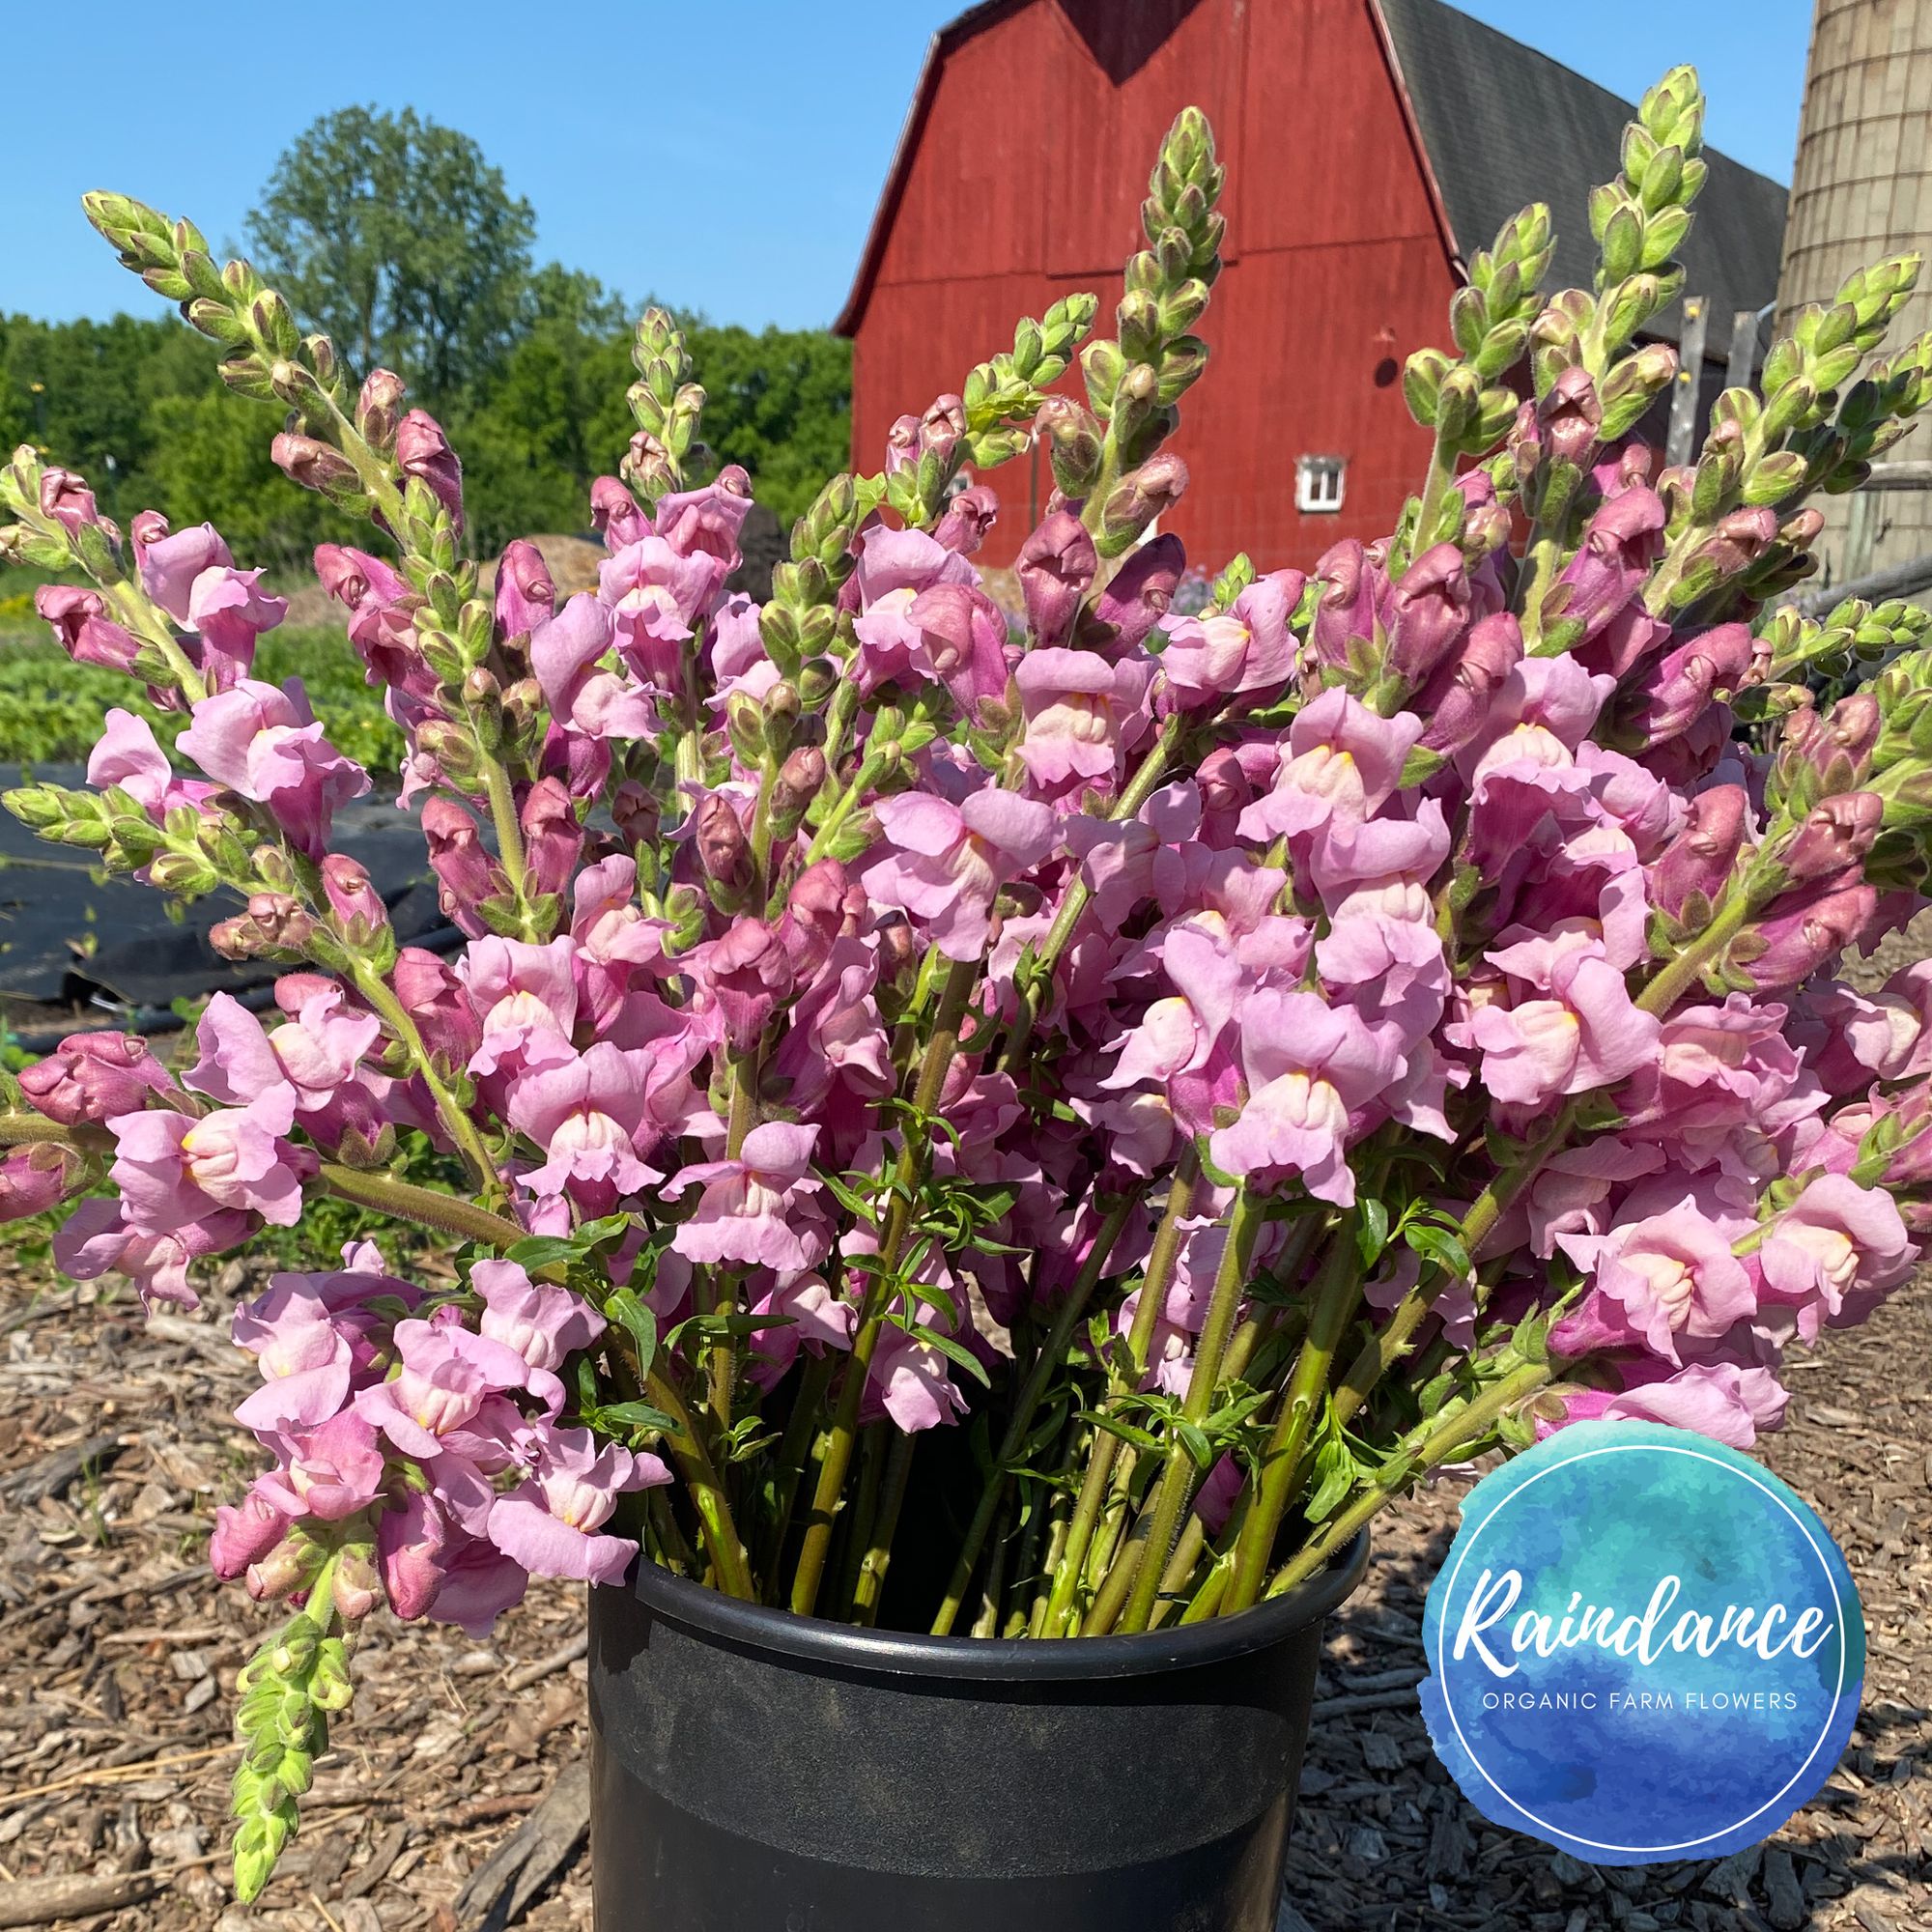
758,1209
263,741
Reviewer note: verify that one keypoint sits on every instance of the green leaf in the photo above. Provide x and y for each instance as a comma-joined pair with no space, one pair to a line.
1334,1478
623,1307
611,1417
1437,1244
953,1350
1372,1227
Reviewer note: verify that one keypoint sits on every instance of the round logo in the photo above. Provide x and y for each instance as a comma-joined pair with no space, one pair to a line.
1642,1647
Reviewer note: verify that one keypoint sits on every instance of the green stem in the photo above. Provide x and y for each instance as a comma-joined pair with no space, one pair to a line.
939,1049
1104,1446
722,1541
456,1120
1178,1477
794,1446
1336,1290
878,1557
1432,1444
508,827
1046,1364
1682,972
402,1201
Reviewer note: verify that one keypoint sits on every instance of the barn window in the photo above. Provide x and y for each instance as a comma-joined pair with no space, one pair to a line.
1318,483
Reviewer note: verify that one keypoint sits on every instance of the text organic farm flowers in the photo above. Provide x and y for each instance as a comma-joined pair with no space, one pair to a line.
1226,1064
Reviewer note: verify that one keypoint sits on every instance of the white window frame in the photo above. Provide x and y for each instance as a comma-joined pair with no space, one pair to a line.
1320,482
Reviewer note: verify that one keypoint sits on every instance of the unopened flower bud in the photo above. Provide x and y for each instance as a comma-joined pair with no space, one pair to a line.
1139,499
1700,859
1427,611
634,809
1801,934
1835,836
799,781
969,515
1457,701
526,594
37,1177
423,453
1137,597
1056,565
1570,416
722,850
360,915
312,465
283,1569
901,444
378,410
942,426
66,499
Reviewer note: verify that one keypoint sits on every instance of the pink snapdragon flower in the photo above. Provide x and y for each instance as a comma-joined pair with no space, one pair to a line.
1655,1280
329,1471
1308,1069
1247,647
1577,1029
126,754
549,1523
262,741
572,655
525,997
944,863
760,1209
1837,1246
1341,766
314,1053
1080,709
173,1169
83,629
585,1113
91,1076
100,1238
1722,1399
895,568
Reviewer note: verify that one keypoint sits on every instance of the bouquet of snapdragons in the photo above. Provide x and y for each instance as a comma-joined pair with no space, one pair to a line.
1221,1066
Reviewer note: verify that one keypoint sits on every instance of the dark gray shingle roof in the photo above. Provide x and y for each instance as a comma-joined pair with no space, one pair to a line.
1504,124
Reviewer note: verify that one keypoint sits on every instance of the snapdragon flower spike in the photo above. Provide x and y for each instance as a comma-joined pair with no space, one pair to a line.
1453,932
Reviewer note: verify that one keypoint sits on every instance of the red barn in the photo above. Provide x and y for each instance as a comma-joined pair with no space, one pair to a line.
1371,147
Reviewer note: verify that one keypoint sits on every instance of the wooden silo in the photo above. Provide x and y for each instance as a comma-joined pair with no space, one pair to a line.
1862,189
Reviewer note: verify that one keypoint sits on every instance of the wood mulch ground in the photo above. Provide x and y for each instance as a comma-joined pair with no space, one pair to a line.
118,1657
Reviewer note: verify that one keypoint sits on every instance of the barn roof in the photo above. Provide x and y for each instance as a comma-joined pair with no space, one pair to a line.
1499,124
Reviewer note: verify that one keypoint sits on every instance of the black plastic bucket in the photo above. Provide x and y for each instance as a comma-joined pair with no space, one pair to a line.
758,1772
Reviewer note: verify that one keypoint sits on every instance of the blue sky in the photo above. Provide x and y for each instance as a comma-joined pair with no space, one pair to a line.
725,157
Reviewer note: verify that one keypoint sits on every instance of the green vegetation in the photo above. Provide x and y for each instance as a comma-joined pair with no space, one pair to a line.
400,239
50,710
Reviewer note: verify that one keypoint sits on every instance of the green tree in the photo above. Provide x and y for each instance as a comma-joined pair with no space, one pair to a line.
395,235
779,402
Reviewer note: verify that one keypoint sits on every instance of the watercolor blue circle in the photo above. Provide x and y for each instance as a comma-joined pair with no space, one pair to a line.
1642,1646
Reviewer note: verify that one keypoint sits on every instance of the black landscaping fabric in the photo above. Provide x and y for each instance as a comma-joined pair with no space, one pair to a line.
70,938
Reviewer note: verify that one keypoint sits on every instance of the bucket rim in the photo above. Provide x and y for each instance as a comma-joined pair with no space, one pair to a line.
818,1641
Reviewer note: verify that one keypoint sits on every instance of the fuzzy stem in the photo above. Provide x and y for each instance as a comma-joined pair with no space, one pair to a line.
939,1049
794,1447
456,1120
403,1201
878,1557
707,1494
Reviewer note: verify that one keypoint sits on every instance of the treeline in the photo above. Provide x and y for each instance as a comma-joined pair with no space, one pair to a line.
397,235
